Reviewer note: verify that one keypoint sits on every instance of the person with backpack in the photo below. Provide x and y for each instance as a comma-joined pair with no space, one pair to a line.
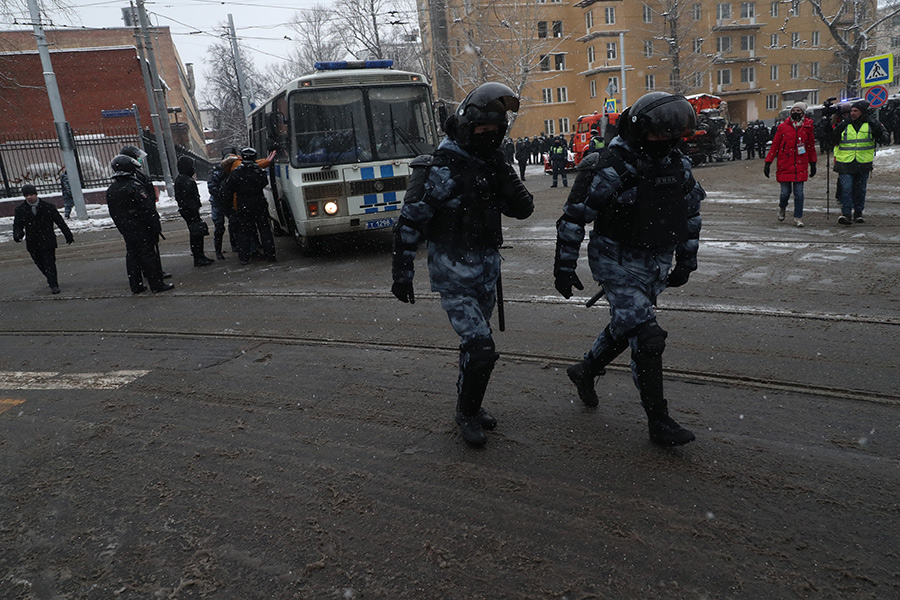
645,207
454,200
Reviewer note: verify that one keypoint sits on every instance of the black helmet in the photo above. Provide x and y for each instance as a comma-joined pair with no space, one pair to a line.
133,151
124,164
485,105
248,154
660,114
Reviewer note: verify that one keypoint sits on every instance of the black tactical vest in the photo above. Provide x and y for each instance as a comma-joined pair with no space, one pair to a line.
475,222
656,215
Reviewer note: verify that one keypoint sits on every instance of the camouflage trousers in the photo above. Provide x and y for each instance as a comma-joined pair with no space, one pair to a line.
470,318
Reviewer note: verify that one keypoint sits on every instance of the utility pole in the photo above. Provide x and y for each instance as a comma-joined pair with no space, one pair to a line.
622,70
66,142
167,147
239,69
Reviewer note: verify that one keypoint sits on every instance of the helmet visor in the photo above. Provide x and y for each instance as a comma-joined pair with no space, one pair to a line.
669,117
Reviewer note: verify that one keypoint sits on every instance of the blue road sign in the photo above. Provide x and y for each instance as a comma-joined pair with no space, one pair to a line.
876,96
114,114
609,106
877,69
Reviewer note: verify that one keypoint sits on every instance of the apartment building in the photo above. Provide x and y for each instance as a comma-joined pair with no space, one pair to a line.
758,56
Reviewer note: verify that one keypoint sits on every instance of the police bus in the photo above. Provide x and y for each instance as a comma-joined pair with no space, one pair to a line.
344,137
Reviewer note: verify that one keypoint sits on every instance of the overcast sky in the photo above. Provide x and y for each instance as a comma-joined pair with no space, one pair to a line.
196,24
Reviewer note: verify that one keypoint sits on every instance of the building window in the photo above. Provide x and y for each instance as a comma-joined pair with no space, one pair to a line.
557,28
895,42
748,10
748,75
648,14
814,97
696,12
773,8
559,62
795,8
698,45
593,88
795,40
542,29
548,95
609,14
611,51
815,39
564,125
773,72
773,40
814,69
562,94
795,71
590,55
748,43
772,102
548,127
648,48
545,62
650,82
588,20
723,11
723,76
723,45
698,80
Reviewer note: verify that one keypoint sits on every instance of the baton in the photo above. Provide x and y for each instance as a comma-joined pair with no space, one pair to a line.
501,317
593,299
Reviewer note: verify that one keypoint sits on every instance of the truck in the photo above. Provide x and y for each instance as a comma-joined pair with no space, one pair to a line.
707,144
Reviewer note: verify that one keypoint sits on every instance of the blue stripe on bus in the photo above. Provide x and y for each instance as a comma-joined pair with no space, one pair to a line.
370,199
371,210
367,173
392,207
390,196
387,170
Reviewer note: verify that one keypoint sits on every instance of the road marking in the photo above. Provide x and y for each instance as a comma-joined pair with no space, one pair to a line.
48,380
8,403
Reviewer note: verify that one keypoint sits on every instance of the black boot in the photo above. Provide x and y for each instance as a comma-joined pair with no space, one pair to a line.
663,428
218,236
585,372
479,358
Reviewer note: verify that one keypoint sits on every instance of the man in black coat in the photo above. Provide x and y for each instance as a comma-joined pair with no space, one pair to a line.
150,189
136,219
247,181
188,198
34,220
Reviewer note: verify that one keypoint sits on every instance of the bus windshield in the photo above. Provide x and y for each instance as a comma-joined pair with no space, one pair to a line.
352,125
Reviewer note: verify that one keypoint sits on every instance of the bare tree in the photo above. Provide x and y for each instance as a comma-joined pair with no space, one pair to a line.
504,42
852,25
318,38
369,29
674,36
222,92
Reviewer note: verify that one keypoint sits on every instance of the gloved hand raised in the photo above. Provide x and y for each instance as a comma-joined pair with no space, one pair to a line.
678,276
565,281
404,291
767,169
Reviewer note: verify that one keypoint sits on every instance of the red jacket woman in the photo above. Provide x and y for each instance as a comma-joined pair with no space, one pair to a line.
794,147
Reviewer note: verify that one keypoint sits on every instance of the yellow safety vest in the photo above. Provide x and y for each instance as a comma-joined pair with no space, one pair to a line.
856,145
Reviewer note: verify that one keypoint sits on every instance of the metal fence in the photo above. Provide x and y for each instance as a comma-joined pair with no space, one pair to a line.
36,158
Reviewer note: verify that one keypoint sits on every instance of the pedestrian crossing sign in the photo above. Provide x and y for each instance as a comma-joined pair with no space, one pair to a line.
877,70
609,106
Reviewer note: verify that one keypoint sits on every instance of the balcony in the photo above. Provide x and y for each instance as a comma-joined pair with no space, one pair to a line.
737,24
728,59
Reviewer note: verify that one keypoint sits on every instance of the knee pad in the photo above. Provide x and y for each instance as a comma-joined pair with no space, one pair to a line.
478,354
650,339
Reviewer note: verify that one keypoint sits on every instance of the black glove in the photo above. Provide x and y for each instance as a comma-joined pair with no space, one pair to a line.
17,239
678,276
404,291
767,169
812,169
565,281
69,240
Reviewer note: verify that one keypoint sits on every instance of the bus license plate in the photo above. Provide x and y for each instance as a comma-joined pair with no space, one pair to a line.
380,224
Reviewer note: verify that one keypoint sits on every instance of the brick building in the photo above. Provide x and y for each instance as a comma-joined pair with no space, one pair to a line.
96,69
758,56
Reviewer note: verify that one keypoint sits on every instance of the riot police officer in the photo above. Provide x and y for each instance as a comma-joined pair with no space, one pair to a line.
246,183
645,206
135,216
455,199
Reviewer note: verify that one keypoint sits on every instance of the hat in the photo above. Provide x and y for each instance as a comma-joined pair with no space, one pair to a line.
862,105
801,105
29,190
594,132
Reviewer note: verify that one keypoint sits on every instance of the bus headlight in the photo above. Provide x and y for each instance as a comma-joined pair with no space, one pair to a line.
331,208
